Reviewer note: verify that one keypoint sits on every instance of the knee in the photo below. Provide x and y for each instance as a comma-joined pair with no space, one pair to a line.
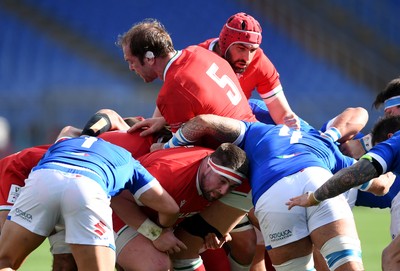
6,263
243,246
341,250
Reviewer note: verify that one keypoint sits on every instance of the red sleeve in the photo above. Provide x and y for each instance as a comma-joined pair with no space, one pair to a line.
14,169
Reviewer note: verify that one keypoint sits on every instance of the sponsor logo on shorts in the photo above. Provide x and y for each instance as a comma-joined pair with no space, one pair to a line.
15,190
100,228
24,215
280,235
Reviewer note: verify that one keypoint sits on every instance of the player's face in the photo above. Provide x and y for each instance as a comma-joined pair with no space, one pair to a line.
240,56
145,71
213,186
393,111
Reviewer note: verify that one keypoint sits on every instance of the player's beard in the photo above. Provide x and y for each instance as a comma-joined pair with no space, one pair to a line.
211,195
239,66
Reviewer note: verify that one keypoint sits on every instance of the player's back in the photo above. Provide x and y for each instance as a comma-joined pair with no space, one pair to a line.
276,151
200,82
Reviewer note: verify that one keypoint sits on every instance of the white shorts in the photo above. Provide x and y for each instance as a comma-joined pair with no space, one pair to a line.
53,198
122,237
279,226
395,217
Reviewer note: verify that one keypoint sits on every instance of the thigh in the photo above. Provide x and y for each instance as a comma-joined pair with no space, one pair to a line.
136,252
93,257
16,243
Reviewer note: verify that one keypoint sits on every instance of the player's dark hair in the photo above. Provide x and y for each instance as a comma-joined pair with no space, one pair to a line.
383,127
148,35
392,89
231,156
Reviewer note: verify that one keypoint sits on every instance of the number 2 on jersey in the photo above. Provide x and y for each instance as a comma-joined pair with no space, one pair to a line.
234,93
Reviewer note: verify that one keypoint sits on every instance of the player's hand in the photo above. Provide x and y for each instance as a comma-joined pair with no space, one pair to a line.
167,242
211,241
352,148
381,185
292,121
149,126
305,200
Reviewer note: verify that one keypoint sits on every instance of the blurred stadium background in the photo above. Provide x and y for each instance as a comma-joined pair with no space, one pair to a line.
59,63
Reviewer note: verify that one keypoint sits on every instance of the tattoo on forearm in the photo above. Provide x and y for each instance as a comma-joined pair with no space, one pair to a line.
222,129
345,179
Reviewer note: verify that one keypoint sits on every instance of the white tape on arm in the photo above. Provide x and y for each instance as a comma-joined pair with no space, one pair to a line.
150,230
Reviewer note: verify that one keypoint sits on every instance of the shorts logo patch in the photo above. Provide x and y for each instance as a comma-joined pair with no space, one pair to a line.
280,235
24,215
100,228
15,190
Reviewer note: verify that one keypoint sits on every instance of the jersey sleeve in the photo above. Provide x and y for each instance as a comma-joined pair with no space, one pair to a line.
142,181
387,154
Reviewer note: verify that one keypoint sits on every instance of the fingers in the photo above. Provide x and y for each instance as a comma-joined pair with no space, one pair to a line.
292,121
302,200
177,247
139,125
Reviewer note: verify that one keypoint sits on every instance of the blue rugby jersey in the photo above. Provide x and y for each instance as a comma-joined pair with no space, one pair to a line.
275,151
111,166
387,153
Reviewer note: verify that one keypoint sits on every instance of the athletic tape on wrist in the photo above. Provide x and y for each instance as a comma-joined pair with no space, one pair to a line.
365,186
150,230
312,198
177,140
333,133
366,142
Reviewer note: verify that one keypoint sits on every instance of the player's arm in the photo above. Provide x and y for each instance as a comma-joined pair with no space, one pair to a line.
157,113
361,172
221,128
380,185
281,112
194,230
128,210
349,123
104,120
357,147
69,131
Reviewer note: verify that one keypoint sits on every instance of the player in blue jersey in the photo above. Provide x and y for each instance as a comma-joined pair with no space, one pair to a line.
283,162
382,158
71,187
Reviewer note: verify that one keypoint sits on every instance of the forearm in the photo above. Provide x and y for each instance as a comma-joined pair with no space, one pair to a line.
357,174
279,109
221,128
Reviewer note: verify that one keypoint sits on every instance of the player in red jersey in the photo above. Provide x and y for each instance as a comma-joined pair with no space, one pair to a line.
239,43
190,176
15,168
186,167
195,80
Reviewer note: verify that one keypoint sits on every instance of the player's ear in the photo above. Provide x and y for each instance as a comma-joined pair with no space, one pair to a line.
149,57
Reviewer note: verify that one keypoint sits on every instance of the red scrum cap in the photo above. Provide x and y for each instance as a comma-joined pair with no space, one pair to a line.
240,28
